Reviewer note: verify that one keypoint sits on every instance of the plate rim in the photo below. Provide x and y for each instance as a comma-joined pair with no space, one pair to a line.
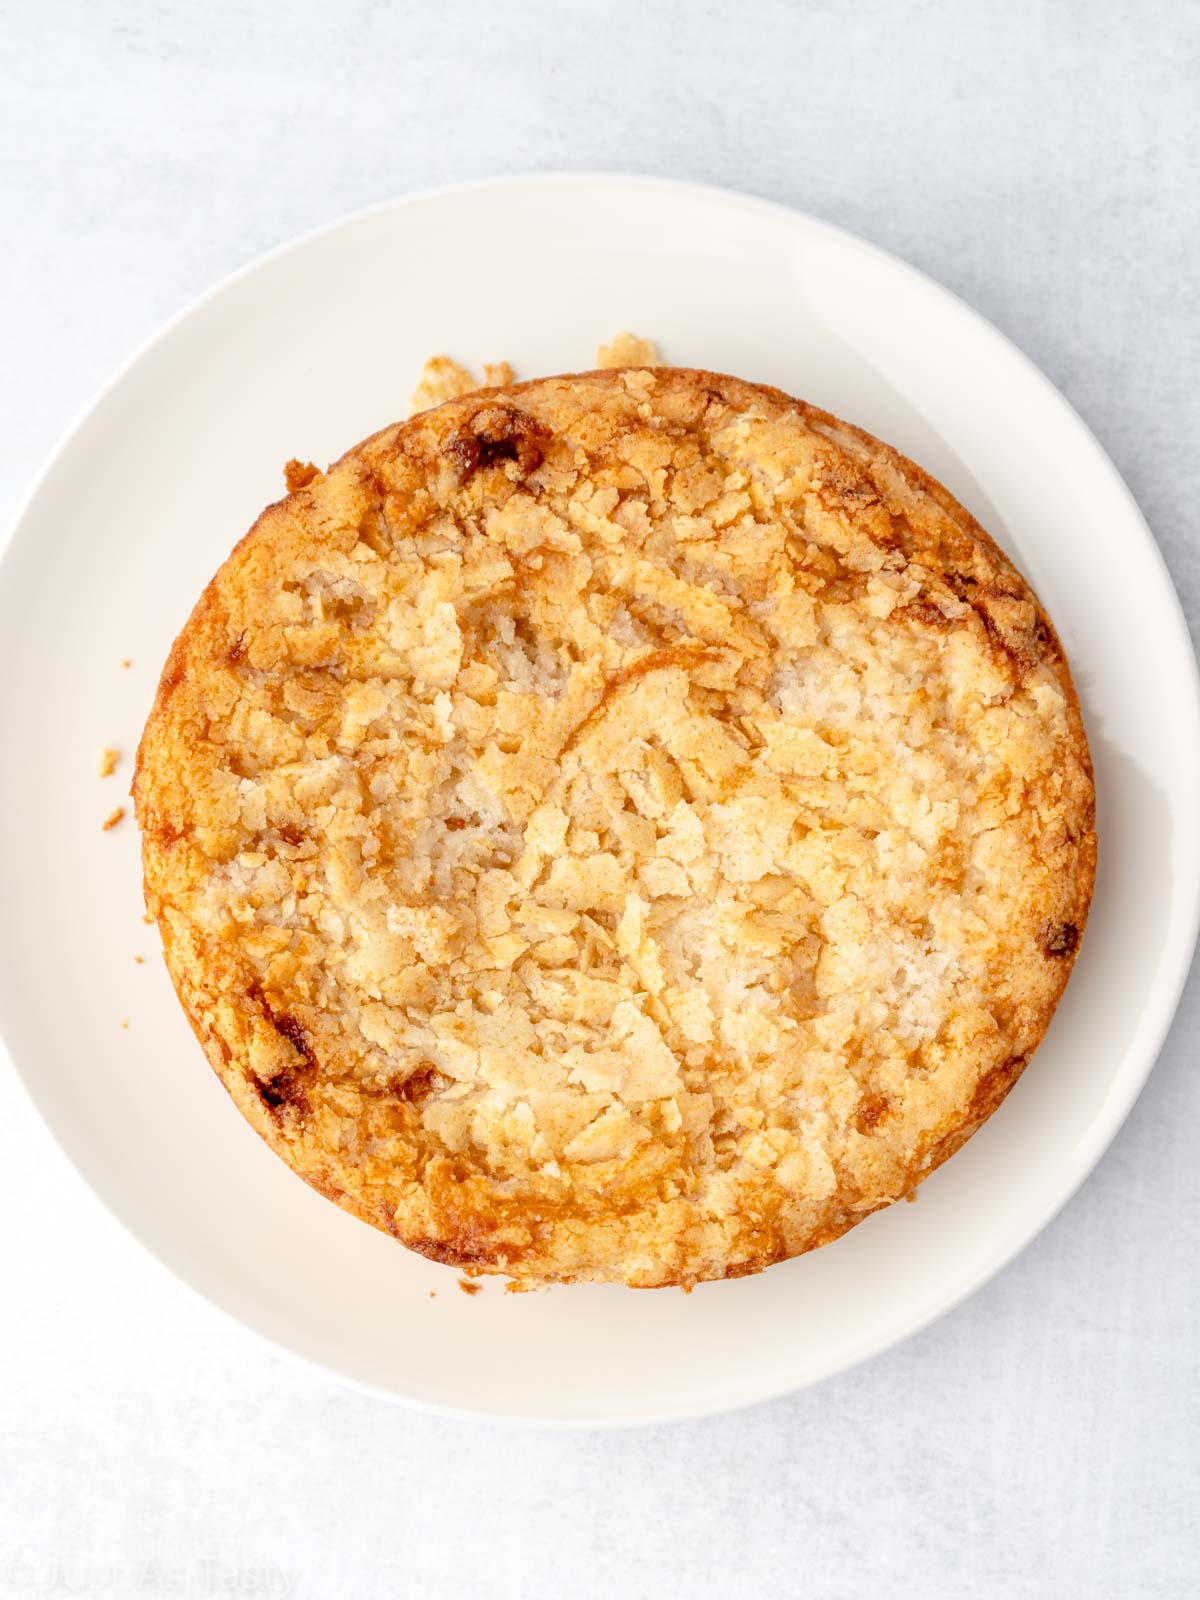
1104,1127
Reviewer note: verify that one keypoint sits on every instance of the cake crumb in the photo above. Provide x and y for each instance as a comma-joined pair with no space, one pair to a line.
141,960
468,1287
299,474
112,819
107,763
441,379
496,374
127,662
125,1024
628,350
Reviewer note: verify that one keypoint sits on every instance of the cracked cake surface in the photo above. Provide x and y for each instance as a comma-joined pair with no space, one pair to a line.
626,827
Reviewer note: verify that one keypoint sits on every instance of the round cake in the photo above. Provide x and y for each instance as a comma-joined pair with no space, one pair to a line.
621,827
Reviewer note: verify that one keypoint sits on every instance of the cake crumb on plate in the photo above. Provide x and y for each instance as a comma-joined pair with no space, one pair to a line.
628,350
441,379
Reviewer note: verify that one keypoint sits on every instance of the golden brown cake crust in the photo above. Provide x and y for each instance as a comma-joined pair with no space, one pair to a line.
626,826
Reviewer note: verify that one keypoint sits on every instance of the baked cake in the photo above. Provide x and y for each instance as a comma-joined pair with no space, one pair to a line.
620,827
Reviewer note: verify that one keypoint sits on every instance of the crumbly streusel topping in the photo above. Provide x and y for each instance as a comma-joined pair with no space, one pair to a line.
624,826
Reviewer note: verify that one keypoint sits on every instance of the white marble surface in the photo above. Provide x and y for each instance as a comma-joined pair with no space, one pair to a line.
1044,1440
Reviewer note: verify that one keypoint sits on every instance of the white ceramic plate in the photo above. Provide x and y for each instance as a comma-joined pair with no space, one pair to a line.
303,354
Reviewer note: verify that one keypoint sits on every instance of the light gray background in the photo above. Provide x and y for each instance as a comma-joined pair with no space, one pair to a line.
1041,160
